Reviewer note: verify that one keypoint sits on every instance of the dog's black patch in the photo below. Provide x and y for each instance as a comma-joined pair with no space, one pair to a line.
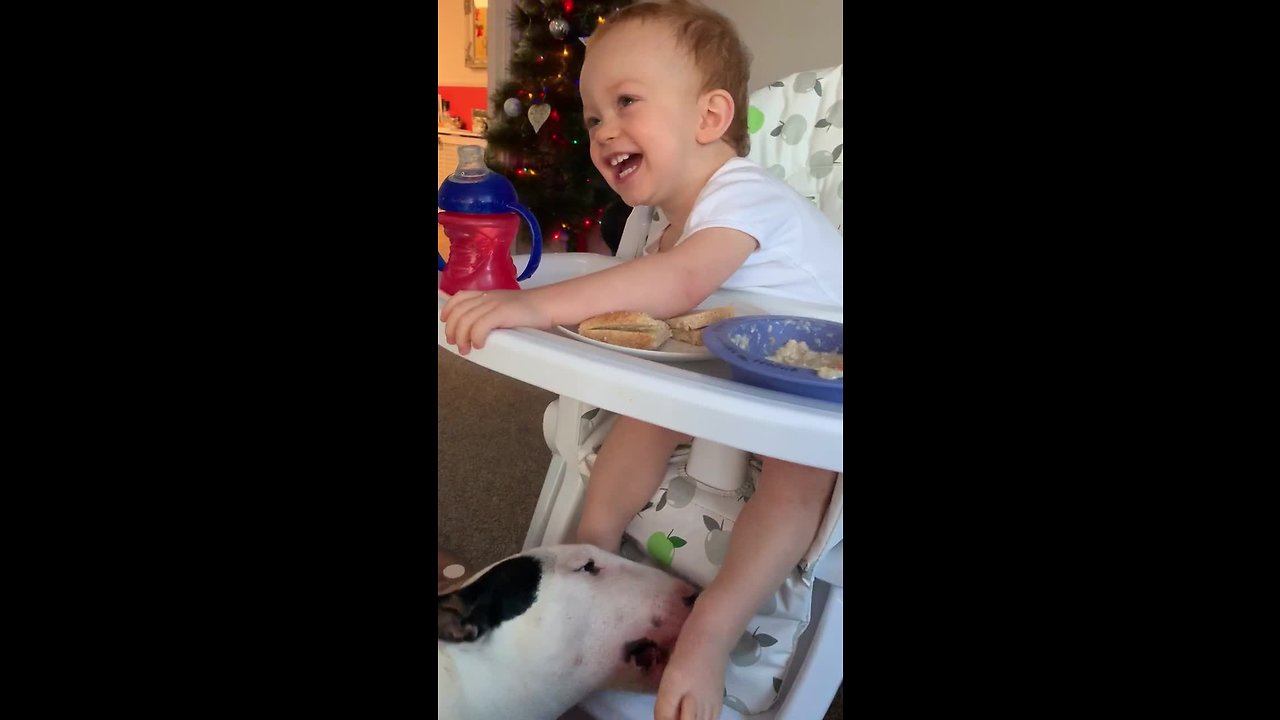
504,592
644,652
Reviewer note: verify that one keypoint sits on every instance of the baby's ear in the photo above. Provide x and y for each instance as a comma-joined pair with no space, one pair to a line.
716,115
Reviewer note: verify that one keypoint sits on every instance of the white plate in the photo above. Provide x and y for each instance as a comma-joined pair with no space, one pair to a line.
672,350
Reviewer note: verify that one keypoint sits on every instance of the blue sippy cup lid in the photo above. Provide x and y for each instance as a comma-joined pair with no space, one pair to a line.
474,188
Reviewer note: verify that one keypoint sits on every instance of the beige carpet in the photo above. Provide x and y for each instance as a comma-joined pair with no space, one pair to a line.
492,460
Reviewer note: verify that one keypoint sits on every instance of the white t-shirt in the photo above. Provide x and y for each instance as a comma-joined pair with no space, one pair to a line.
801,256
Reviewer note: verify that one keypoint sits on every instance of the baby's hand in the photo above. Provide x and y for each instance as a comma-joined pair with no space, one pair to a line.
469,316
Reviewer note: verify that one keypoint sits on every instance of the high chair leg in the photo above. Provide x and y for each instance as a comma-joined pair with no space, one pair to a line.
551,487
822,667
555,517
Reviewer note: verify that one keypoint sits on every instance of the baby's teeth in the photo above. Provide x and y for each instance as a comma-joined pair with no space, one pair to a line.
627,172
620,158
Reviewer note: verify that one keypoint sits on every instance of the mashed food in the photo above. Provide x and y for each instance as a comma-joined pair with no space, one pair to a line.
828,365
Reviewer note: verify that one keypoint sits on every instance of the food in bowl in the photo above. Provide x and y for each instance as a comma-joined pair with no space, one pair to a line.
749,345
796,353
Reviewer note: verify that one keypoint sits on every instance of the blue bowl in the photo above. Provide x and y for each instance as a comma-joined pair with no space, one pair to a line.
747,342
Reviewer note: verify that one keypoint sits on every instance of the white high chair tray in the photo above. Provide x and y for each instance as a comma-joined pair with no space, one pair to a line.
695,397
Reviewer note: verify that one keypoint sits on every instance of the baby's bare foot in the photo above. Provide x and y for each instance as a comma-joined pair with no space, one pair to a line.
692,685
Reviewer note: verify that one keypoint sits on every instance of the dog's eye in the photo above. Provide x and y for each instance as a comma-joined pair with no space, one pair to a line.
589,567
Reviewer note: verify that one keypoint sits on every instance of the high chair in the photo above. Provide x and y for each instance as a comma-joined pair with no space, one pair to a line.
798,133
697,399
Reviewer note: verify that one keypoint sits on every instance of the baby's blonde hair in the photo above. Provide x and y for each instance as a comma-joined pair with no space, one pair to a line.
712,41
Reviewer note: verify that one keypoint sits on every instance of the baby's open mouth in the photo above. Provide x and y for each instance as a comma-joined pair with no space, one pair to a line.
625,163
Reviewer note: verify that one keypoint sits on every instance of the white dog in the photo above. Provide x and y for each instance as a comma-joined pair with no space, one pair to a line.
530,636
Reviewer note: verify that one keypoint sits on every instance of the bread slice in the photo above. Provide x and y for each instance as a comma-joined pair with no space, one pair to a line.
626,328
699,319
692,337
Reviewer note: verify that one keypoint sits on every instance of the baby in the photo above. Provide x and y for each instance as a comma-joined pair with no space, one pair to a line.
664,96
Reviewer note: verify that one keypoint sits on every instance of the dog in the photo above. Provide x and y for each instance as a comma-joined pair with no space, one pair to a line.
531,635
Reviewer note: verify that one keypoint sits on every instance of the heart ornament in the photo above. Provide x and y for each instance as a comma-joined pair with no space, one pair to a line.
538,115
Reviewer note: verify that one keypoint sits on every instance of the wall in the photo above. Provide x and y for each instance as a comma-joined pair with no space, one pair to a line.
786,36
465,88
452,47
462,100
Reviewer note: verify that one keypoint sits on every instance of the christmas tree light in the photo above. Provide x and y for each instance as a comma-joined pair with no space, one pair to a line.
538,138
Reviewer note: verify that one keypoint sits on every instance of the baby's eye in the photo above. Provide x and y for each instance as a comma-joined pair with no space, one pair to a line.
625,100
592,122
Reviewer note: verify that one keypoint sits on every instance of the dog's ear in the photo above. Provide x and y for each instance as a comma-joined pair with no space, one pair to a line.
452,619
503,592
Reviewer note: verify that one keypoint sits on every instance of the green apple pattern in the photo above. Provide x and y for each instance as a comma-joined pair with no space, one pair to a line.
807,81
834,118
662,546
823,162
792,130
678,493
717,542
750,648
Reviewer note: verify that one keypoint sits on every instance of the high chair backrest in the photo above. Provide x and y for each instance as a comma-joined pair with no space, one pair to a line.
797,132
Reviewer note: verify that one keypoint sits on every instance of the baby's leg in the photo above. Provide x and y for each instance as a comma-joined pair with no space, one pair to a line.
627,472
771,535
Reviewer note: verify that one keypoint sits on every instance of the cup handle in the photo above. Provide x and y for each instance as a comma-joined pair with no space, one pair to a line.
536,256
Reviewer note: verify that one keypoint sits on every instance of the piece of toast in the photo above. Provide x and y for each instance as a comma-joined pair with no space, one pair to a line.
688,328
699,319
692,337
626,328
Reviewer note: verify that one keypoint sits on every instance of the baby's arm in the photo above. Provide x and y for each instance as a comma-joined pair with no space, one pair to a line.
771,535
663,285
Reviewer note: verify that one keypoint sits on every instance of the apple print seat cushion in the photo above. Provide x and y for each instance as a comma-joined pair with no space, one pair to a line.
796,127
685,528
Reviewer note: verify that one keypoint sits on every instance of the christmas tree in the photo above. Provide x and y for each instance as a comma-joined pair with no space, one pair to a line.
538,139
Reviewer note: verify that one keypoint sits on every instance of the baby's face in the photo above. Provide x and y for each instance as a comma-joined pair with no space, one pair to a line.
640,104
